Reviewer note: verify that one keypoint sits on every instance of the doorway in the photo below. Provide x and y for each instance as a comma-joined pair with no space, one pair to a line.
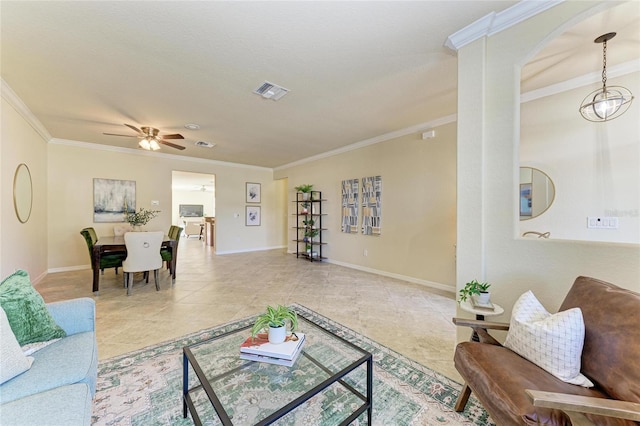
193,201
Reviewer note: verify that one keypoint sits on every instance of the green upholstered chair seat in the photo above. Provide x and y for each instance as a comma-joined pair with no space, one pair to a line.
174,233
112,259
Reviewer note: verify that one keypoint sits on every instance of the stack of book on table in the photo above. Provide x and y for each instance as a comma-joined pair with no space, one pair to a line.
258,348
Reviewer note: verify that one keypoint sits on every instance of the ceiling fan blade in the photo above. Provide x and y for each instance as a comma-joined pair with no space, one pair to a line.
126,136
172,145
174,136
134,128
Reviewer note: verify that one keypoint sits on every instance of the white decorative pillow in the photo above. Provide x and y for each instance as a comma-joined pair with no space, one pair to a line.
552,342
12,360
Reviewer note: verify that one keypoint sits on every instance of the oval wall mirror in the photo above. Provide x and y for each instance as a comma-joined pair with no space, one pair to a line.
536,192
22,193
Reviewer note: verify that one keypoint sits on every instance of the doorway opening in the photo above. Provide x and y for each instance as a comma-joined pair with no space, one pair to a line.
193,204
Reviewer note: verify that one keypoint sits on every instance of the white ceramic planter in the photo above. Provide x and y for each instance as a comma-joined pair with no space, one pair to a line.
484,297
277,334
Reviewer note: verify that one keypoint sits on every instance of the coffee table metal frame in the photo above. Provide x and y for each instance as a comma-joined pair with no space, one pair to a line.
189,359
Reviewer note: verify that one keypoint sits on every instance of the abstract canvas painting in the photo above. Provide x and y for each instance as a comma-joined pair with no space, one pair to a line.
110,199
371,205
350,206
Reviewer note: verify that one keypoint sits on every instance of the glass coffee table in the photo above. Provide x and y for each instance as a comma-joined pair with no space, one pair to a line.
330,383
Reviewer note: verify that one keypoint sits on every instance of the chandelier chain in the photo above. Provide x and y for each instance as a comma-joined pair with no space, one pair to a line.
604,64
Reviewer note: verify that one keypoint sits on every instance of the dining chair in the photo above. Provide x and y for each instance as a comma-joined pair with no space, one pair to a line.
112,259
143,255
174,233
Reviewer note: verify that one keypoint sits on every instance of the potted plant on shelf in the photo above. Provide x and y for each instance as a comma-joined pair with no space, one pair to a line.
305,208
305,189
308,223
475,288
140,218
274,320
311,233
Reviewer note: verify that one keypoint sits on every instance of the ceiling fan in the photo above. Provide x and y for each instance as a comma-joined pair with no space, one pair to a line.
150,139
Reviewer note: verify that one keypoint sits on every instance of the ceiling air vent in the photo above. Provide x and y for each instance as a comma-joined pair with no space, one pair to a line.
204,144
271,91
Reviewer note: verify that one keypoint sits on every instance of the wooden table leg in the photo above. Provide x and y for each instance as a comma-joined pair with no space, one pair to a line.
96,270
174,260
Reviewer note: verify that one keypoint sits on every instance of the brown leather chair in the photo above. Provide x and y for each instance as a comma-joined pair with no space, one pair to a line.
516,392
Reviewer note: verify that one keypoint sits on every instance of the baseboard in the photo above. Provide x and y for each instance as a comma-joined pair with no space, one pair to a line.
250,250
68,269
414,280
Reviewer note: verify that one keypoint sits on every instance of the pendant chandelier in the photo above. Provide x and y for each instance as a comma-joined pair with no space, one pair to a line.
609,102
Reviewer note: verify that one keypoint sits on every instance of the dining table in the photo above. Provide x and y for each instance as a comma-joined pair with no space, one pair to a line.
114,244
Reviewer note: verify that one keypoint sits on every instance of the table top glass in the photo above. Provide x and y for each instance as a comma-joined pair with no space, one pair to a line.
250,391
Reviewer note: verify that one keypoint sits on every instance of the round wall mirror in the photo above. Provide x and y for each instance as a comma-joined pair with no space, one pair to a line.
22,193
536,192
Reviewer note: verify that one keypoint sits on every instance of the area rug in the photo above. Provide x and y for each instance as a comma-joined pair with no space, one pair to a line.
144,387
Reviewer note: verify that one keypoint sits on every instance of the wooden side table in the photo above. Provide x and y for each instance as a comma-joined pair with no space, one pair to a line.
481,313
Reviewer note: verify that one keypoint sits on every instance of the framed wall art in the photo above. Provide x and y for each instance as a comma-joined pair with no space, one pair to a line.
350,206
371,205
253,192
252,216
111,197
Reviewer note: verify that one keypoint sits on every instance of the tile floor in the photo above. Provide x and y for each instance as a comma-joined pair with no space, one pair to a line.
210,290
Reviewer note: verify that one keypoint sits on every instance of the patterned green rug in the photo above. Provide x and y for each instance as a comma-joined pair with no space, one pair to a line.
144,387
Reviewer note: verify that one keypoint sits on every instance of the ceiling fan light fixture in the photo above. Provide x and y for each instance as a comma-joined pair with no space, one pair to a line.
606,103
154,145
144,144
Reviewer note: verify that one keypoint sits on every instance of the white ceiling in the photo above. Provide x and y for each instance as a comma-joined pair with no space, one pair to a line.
356,70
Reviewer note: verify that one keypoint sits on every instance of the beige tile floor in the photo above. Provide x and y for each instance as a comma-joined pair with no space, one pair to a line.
210,290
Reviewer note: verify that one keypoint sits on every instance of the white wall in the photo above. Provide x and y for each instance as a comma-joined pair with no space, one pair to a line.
22,245
418,206
595,166
180,196
489,248
73,166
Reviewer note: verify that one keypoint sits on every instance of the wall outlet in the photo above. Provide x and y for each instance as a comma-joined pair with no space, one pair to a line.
599,222
366,253
155,202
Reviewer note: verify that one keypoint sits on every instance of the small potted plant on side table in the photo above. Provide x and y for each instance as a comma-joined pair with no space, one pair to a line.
475,288
274,321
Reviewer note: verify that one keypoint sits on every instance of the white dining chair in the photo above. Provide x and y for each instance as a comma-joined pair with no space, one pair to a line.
143,255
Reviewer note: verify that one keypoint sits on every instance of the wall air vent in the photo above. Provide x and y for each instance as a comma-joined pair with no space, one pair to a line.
204,144
271,91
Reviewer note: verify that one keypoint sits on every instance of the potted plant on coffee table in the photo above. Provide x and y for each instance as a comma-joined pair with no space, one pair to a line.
474,287
274,320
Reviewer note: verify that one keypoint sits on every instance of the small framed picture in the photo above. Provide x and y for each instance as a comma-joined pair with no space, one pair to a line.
253,192
252,217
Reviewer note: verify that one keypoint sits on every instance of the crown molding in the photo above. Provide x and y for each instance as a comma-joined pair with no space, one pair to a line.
14,100
418,128
494,22
173,157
